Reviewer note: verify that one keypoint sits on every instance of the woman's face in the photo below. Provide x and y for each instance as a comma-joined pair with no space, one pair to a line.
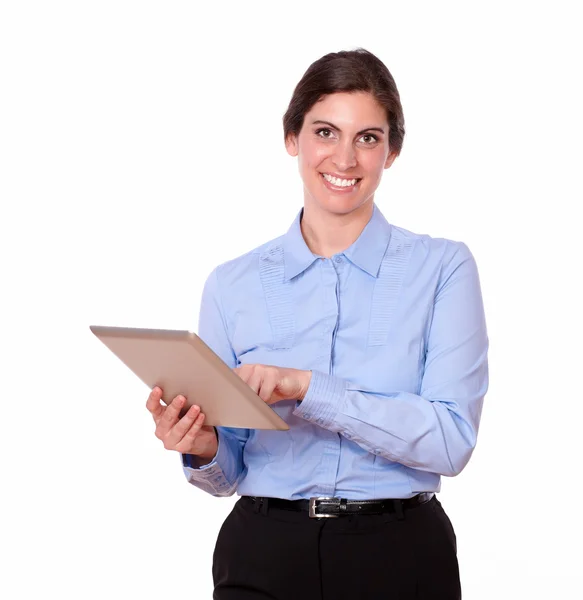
344,136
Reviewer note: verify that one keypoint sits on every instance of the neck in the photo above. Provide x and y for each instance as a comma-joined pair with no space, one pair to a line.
327,233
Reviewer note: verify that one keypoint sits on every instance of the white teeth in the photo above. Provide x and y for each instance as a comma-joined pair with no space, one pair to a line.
339,182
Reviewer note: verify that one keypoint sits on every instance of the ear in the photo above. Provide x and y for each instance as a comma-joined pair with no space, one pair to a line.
291,144
391,159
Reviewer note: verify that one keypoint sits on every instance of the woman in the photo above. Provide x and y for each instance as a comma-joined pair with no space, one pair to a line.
370,342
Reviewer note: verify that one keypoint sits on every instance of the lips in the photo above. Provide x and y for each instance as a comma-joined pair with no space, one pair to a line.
341,177
340,189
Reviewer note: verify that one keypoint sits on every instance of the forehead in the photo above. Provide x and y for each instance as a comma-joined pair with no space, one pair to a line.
349,109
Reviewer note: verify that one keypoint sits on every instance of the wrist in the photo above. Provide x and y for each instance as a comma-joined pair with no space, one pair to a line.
307,377
211,448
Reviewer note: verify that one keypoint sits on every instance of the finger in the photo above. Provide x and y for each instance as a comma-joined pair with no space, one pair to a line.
254,379
175,435
244,371
190,436
267,386
263,381
170,416
153,403
241,372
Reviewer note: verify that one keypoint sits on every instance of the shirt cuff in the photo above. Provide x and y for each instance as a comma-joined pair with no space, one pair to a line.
323,399
210,477
191,461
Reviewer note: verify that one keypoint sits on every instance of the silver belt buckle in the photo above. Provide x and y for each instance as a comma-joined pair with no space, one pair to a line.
312,508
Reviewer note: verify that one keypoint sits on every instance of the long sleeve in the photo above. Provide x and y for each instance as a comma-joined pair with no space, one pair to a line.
221,476
435,430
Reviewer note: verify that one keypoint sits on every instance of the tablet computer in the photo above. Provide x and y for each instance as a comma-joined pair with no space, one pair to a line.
180,362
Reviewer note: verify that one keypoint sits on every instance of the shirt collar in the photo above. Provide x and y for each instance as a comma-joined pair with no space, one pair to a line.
366,252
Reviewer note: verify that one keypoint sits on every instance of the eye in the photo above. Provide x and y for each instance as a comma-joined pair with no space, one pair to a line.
372,138
325,130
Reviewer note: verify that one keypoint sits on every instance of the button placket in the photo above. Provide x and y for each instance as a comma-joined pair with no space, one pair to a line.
330,307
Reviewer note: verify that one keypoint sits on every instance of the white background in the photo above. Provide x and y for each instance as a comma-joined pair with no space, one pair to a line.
141,145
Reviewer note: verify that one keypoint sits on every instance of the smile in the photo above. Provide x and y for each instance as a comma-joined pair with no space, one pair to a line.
336,184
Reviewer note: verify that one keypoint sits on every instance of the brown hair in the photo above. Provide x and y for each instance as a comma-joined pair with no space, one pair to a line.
347,71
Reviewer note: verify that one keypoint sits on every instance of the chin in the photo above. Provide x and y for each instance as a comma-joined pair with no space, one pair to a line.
338,206
334,202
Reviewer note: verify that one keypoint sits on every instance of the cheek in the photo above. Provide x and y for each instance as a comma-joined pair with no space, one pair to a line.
373,163
312,156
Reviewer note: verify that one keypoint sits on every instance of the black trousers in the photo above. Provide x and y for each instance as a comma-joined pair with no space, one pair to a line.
277,554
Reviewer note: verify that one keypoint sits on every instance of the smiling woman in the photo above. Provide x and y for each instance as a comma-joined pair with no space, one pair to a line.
341,164
370,341
345,124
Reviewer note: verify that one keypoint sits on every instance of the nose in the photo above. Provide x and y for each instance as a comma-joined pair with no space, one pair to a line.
344,157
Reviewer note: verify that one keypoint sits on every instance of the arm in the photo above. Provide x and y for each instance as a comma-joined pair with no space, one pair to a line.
436,430
218,475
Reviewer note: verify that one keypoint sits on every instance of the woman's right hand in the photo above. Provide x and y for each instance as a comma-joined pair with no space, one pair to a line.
186,435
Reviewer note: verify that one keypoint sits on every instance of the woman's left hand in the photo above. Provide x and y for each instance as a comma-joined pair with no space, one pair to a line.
273,384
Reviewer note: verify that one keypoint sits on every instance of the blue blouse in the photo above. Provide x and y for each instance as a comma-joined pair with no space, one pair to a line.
394,332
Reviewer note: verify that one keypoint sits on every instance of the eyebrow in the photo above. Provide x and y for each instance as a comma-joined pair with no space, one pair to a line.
338,129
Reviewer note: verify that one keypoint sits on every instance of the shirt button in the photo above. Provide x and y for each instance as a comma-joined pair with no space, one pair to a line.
320,421
338,259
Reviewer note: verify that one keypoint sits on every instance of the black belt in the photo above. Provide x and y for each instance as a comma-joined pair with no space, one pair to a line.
323,506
